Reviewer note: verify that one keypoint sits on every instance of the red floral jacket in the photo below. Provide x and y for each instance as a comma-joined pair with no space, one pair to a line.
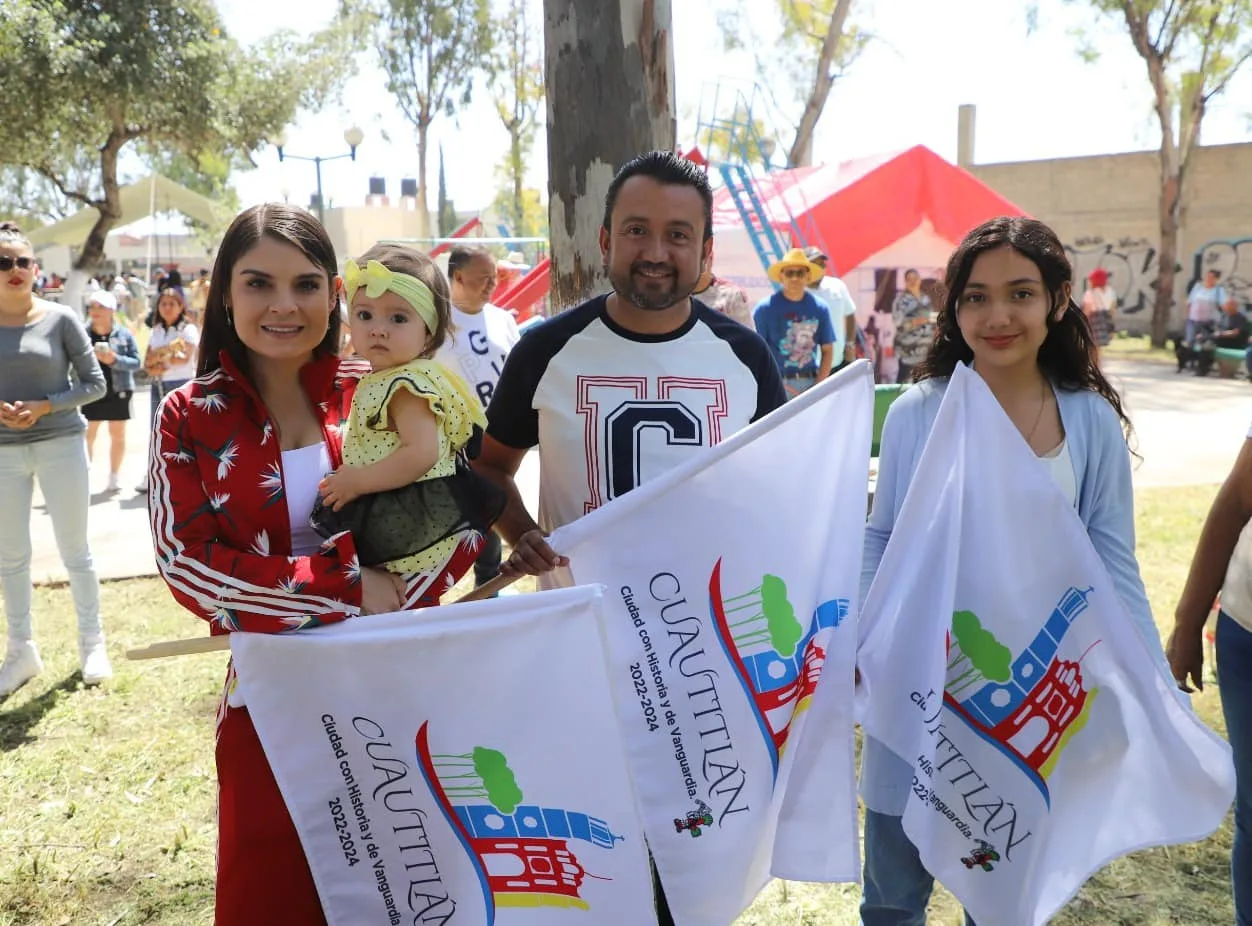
219,515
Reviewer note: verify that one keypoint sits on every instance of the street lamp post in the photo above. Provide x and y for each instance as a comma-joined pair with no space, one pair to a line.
353,136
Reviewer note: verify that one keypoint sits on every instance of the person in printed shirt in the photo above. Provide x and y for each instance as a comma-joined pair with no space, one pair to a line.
796,324
1223,560
234,470
1204,304
601,387
723,296
170,360
914,329
480,339
411,419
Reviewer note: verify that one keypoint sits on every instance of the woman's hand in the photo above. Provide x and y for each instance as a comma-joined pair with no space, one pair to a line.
532,556
1185,652
340,487
21,415
107,357
381,591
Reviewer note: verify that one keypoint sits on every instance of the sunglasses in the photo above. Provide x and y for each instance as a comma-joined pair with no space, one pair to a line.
8,263
793,274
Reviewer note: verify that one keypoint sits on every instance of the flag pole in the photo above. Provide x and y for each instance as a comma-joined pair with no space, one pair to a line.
220,642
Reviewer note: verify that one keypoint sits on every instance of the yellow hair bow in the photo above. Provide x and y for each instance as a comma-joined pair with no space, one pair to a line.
377,280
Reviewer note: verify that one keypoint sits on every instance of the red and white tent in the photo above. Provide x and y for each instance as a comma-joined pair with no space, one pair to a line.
874,217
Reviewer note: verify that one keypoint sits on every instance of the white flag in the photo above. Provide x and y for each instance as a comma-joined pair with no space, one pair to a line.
458,765
998,661
730,587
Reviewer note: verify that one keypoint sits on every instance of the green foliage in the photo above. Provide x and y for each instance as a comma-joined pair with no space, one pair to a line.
988,655
534,212
493,768
515,76
446,210
430,51
786,63
784,630
94,77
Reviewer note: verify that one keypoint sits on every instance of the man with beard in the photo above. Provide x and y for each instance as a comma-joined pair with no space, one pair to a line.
625,386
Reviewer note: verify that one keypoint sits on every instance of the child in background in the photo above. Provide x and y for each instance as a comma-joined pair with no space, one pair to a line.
404,490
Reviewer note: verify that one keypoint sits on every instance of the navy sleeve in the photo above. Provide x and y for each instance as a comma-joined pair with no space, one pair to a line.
511,415
512,418
758,317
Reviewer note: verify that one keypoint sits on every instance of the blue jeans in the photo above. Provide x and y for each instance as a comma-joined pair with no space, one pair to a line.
897,885
796,384
1234,674
159,391
60,465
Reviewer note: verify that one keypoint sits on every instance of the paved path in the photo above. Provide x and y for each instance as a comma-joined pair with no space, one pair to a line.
1189,431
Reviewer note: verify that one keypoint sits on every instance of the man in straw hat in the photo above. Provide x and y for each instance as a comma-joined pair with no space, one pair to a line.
796,324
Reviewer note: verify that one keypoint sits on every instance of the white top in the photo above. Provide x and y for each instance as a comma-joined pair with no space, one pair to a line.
162,336
1060,466
1237,589
1204,302
835,292
303,469
476,348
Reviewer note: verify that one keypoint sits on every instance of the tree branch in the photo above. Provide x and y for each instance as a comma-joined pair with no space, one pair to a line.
49,174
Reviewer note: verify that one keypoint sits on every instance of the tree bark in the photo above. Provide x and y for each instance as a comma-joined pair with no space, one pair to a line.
801,154
423,211
110,208
609,69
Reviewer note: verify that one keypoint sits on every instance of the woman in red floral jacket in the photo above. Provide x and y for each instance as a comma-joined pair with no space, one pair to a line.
233,475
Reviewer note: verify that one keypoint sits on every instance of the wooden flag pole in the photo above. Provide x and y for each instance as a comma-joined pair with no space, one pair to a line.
221,642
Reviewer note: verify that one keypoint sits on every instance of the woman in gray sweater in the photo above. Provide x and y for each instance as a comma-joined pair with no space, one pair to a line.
41,437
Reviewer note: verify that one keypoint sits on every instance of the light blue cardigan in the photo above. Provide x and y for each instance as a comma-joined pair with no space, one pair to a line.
1105,502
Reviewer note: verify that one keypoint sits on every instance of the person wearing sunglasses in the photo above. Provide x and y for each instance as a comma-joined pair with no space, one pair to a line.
42,438
796,324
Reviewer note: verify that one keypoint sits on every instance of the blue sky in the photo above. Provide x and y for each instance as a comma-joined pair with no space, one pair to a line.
1035,97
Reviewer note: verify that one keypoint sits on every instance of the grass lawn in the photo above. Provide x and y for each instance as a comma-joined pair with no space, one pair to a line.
1138,347
106,795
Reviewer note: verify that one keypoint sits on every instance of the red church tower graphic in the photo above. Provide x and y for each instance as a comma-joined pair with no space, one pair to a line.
521,851
1028,707
778,659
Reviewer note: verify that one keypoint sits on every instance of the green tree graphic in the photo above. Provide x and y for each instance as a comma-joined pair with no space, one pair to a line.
483,773
976,656
770,617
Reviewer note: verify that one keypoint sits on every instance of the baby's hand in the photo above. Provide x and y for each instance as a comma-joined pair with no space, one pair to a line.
339,488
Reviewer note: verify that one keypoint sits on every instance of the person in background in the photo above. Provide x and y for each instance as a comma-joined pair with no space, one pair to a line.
796,324
1231,333
1099,304
170,360
1223,560
912,313
198,297
118,354
480,339
1204,303
41,438
842,309
723,296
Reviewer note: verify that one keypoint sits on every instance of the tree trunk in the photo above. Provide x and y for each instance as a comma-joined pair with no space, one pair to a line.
612,63
801,154
110,208
1167,259
517,168
423,212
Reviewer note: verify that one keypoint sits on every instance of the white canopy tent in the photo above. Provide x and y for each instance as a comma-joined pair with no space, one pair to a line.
138,200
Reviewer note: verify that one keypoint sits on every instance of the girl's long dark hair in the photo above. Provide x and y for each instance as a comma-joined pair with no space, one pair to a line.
281,222
1068,354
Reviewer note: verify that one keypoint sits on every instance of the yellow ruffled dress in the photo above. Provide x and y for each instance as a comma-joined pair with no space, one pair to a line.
368,439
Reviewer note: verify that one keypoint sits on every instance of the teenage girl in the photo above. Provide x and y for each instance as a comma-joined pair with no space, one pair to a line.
1008,312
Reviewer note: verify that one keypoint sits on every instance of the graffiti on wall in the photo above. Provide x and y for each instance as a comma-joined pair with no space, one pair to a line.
1232,257
1132,265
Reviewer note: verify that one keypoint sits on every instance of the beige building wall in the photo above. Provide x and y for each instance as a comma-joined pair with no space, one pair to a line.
1104,209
